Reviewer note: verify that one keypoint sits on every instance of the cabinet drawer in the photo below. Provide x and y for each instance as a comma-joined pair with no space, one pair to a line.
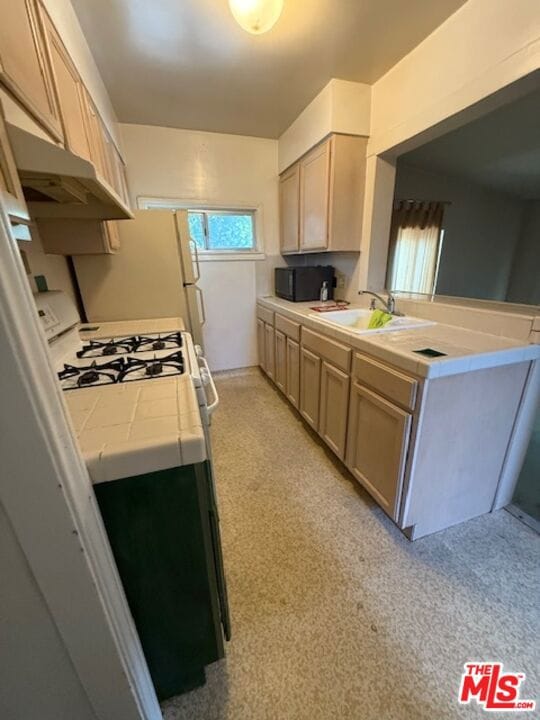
266,315
288,327
336,353
390,383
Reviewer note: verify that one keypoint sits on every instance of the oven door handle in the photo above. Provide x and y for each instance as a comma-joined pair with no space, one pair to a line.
207,376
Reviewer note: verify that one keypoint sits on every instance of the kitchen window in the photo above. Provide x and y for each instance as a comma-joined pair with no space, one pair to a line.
223,230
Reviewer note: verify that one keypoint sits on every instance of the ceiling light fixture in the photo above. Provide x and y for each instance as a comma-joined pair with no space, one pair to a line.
256,16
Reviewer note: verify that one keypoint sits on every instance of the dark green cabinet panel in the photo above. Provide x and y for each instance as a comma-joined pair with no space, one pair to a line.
159,532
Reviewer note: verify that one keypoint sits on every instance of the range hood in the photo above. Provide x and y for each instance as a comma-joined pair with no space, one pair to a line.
59,184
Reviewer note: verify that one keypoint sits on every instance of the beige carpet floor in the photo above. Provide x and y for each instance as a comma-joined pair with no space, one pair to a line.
335,613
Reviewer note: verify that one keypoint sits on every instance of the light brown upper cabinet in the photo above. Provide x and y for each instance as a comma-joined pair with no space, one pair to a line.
103,152
11,194
115,167
331,180
70,91
289,209
24,69
95,132
78,237
315,198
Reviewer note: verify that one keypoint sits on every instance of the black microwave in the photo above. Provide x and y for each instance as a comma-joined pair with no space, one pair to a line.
300,284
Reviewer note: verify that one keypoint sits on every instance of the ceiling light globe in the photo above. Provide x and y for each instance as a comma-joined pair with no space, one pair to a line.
256,16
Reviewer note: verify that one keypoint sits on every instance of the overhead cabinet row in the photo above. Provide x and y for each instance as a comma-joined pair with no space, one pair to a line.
322,197
38,72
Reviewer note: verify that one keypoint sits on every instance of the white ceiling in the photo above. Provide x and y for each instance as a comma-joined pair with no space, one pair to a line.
187,64
500,150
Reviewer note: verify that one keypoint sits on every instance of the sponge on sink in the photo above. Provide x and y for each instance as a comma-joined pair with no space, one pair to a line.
378,319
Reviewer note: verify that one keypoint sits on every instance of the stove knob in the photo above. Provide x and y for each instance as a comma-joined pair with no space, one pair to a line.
198,350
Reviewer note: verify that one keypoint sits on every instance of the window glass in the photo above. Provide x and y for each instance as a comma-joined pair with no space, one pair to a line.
196,228
228,231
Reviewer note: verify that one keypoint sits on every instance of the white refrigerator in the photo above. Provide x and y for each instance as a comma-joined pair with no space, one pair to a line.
154,275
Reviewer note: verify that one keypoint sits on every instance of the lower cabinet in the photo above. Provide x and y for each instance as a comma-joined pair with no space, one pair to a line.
261,339
293,373
310,386
280,344
269,351
334,405
377,442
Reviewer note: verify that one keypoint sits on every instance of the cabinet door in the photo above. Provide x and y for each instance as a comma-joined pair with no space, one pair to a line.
11,194
269,350
70,94
96,138
334,408
112,236
377,443
289,209
78,237
314,198
281,360
293,372
260,343
117,169
23,62
310,386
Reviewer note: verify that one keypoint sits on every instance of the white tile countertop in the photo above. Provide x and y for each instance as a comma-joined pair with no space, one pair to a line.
137,427
96,330
466,350
141,426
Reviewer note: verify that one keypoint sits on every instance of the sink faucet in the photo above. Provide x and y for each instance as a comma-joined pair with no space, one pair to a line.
389,305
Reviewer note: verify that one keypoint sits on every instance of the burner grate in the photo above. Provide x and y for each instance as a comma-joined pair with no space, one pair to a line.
168,341
137,369
93,374
109,346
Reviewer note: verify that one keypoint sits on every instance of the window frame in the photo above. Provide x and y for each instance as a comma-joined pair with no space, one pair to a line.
234,208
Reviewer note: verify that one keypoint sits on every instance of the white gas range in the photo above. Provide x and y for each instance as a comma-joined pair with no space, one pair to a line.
137,391
137,394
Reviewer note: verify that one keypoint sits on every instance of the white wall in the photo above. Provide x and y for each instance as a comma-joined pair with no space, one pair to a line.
480,49
218,169
340,107
481,231
524,284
